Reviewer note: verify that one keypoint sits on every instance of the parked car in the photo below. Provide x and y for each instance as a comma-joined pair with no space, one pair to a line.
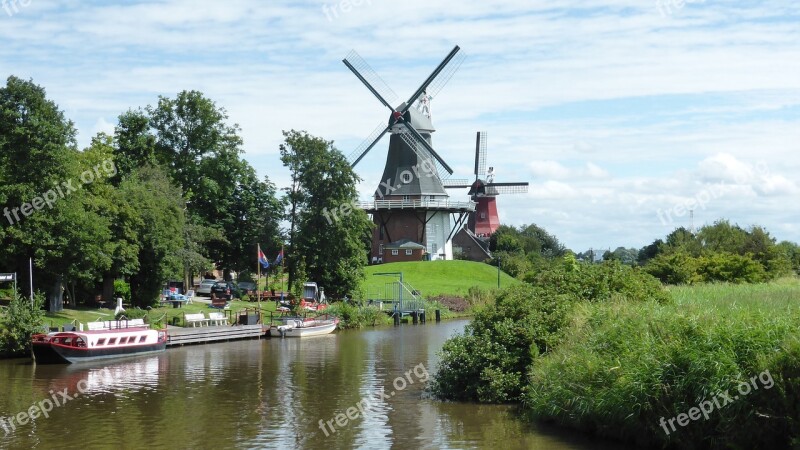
227,289
205,287
247,287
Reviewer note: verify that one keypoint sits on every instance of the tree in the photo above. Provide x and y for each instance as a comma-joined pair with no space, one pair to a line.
57,221
332,252
159,227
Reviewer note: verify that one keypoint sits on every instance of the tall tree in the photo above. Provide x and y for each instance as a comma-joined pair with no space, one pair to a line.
50,216
332,252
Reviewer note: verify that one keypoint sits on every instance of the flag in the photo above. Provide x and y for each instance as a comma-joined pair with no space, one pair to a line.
262,258
279,258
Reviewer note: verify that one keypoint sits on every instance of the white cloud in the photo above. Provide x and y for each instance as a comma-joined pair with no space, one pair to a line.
571,93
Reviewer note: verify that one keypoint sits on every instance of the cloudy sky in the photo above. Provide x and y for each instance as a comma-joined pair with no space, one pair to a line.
622,114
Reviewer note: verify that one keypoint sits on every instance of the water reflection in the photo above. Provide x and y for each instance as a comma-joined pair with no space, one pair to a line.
265,394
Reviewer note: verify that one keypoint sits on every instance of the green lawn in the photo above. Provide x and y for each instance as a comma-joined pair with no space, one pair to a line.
438,277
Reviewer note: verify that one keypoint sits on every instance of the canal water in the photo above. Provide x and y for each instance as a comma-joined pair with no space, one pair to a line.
263,394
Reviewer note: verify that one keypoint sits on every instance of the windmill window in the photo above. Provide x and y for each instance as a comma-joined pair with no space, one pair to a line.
406,177
406,198
381,231
395,252
483,215
409,252
380,249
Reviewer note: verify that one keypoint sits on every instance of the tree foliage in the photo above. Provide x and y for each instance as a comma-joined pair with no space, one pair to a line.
329,247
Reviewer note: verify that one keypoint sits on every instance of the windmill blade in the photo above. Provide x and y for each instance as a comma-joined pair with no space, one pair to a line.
427,146
370,78
459,186
480,155
361,151
445,76
422,152
440,70
506,188
455,183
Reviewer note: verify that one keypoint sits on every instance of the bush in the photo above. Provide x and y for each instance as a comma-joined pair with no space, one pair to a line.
355,316
21,320
132,313
490,361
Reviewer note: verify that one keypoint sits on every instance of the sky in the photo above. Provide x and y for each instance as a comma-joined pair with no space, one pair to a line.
623,115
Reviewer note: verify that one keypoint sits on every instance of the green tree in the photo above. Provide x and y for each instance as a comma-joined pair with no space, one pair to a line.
329,246
67,237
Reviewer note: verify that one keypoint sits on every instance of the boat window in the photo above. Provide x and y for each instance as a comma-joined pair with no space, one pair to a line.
67,341
112,341
101,341
79,342
141,339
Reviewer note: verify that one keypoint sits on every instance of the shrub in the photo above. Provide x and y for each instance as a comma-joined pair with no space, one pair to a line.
21,320
489,362
132,313
355,316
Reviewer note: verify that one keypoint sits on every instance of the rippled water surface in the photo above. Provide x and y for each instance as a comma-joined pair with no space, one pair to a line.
264,394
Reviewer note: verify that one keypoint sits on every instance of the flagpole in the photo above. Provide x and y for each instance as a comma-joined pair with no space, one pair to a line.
258,278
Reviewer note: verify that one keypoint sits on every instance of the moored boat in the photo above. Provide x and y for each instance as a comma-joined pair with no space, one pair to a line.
304,327
104,340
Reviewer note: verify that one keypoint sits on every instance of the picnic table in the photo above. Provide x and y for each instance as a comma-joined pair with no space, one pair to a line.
177,300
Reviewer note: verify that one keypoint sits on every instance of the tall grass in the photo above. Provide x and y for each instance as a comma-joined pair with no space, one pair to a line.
623,366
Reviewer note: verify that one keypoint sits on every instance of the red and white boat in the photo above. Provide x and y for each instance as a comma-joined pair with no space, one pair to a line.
103,340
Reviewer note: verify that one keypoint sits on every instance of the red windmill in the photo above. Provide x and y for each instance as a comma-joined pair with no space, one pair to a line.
484,191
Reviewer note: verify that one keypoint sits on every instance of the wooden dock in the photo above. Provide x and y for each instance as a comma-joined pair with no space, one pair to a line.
204,335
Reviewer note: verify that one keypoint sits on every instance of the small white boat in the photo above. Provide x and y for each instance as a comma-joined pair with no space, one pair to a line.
300,327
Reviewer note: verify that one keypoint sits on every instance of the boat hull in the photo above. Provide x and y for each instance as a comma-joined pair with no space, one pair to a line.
47,353
303,331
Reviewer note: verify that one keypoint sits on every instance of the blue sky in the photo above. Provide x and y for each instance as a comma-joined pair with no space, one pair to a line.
622,114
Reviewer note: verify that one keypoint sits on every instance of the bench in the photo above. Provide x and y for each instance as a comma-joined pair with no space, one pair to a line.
194,319
219,303
218,318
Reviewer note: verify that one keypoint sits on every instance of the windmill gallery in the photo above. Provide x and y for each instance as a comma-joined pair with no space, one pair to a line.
413,214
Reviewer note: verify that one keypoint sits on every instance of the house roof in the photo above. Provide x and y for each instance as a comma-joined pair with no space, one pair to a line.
404,244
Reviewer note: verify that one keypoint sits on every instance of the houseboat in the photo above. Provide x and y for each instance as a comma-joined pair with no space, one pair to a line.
103,340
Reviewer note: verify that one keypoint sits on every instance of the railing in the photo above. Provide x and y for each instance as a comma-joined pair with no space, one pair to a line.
417,204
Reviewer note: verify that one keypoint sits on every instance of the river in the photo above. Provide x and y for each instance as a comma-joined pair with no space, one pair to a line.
273,393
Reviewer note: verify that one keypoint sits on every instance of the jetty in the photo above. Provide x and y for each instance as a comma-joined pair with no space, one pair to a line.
203,335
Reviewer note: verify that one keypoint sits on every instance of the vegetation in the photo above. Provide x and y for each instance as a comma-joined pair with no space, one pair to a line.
167,197
328,242
433,278
356,316
18,323
489,362
719,252
623,366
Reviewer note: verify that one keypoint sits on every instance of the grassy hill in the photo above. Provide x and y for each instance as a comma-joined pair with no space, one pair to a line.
438,277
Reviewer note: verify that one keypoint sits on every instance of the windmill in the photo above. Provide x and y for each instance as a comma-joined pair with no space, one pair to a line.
411,205
484,191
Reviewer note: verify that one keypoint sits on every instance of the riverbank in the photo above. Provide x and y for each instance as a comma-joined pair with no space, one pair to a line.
709,366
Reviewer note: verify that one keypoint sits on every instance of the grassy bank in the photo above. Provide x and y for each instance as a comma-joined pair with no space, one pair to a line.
165,313
433,278
623,367
710,366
